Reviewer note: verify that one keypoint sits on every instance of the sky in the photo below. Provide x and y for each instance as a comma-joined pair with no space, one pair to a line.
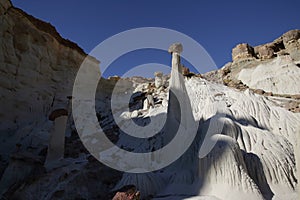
216,25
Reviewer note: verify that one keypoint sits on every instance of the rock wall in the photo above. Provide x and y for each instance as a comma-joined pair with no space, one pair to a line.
285,44
37,69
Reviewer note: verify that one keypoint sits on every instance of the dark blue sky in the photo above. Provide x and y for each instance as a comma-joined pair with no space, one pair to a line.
217,25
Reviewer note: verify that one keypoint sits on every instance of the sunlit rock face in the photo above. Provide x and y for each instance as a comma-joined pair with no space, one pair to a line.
279,76
242,51
254,156
272,71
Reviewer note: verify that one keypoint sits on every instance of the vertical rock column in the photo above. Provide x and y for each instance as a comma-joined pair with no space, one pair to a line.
177,86
56,145
181,123
179,105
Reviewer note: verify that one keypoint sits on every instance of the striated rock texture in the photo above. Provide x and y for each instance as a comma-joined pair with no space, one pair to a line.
252,158
279,76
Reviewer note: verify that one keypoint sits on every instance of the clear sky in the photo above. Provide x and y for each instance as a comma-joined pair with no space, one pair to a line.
217,25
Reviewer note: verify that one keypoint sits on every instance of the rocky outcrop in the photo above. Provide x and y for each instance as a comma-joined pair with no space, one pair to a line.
273,69
242,51
283,45
264,52
291,37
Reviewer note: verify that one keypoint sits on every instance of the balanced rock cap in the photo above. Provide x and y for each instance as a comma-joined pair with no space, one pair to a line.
175,48
58,113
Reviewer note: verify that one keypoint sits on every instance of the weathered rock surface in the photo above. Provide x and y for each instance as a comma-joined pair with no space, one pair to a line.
159,82
34,64
291,36
255,155
242,51
264,52
37,69
286,44
273,72
280,76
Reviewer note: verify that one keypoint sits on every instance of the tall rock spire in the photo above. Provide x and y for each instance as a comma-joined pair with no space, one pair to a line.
179,106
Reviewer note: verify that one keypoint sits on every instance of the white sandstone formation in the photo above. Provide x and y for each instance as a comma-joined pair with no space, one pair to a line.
280,76
254,156
256,164
176,84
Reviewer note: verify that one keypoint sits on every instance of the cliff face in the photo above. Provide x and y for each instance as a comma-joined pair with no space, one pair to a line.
37,71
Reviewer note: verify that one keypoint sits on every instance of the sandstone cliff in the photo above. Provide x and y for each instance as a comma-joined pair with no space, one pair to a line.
253,158
37,69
